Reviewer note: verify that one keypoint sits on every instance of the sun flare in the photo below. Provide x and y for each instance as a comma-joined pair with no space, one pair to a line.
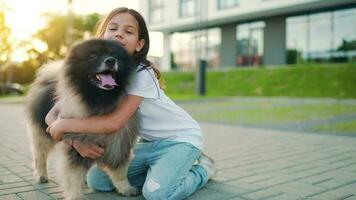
26,17
23,19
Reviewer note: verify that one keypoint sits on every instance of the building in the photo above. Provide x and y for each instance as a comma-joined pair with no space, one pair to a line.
252,32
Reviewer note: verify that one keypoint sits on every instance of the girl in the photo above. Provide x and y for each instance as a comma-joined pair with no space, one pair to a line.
168,163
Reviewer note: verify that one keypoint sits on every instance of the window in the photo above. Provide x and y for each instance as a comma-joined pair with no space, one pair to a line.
156,8
189,8
322,37
223,4
344,31
187,48
249,43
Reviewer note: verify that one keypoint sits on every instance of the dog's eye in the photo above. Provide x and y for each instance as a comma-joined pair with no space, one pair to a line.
93,56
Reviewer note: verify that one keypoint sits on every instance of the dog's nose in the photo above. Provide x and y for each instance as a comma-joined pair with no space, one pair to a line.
110,62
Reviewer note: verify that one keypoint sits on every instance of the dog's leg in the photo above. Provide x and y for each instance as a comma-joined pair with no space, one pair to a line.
73,180
119,179
41,146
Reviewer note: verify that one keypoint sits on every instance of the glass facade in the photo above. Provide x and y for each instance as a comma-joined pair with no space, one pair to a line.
188,47
189,8
322,37
223,4
156,9
328,36
249,43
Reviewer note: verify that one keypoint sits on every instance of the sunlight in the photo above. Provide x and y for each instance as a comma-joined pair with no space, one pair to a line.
19,55
24,19
39,45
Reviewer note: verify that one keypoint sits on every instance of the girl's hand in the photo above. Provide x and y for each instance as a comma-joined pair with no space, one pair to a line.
88,151
56,129
52,115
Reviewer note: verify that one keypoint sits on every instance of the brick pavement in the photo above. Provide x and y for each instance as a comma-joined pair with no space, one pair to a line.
253,164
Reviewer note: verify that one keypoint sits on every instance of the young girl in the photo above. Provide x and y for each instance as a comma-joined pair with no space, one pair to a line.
167,162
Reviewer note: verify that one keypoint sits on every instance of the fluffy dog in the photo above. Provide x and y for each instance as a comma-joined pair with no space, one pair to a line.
91,81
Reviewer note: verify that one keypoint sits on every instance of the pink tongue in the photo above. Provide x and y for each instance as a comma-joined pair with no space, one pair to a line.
106,79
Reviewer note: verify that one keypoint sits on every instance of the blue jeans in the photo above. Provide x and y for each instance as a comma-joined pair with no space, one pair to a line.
163,169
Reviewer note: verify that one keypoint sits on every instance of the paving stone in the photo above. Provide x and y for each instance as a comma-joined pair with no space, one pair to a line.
10,178
336,182
351,197
13,185
10,197
242,187
298,189
17,190
332,195
237,198
253,164
20,169
214,196
228,187
58,195
50,184
114,195
256,178
5,172
34,195
50,190
204,192
263,194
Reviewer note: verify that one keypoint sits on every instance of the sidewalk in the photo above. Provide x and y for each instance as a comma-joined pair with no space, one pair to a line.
253,164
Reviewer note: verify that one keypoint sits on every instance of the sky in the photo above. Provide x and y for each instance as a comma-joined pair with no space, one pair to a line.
24,16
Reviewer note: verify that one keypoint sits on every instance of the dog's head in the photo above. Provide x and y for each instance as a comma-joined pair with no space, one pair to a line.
103,64
98,68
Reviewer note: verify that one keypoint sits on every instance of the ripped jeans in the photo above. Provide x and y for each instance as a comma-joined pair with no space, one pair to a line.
163,169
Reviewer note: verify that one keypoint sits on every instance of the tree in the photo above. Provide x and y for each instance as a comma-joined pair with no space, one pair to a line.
5,45
53,34
347,45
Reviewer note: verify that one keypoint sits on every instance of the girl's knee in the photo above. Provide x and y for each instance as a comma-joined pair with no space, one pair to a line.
152,190
99,180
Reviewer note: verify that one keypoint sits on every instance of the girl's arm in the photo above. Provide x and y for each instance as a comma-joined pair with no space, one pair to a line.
52,115
91,151
100,124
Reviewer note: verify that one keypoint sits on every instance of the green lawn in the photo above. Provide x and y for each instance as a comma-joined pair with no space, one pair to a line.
238,96
332,80
309,115
348,127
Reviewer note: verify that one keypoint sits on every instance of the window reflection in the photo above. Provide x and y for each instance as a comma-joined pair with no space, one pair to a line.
322,37
189,8
156,11
188,47
249,43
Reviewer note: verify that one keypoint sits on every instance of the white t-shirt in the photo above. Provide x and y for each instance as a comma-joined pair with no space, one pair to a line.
160,117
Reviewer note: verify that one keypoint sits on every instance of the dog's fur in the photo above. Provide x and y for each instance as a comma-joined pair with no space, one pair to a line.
79,93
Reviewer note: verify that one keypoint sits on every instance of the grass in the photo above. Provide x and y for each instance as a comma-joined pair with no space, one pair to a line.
252,85
314,115
333,80
348,128
258,115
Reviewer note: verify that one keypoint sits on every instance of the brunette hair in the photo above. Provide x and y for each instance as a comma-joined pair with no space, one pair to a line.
141,56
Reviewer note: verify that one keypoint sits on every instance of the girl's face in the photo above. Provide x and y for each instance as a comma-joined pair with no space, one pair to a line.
124,29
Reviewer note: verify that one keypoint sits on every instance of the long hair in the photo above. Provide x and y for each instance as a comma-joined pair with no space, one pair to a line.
141,56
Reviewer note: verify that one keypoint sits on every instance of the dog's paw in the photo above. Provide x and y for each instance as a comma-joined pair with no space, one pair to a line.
41,179
129,191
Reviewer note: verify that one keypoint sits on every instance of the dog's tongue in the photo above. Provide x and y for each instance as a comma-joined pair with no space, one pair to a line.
106,79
